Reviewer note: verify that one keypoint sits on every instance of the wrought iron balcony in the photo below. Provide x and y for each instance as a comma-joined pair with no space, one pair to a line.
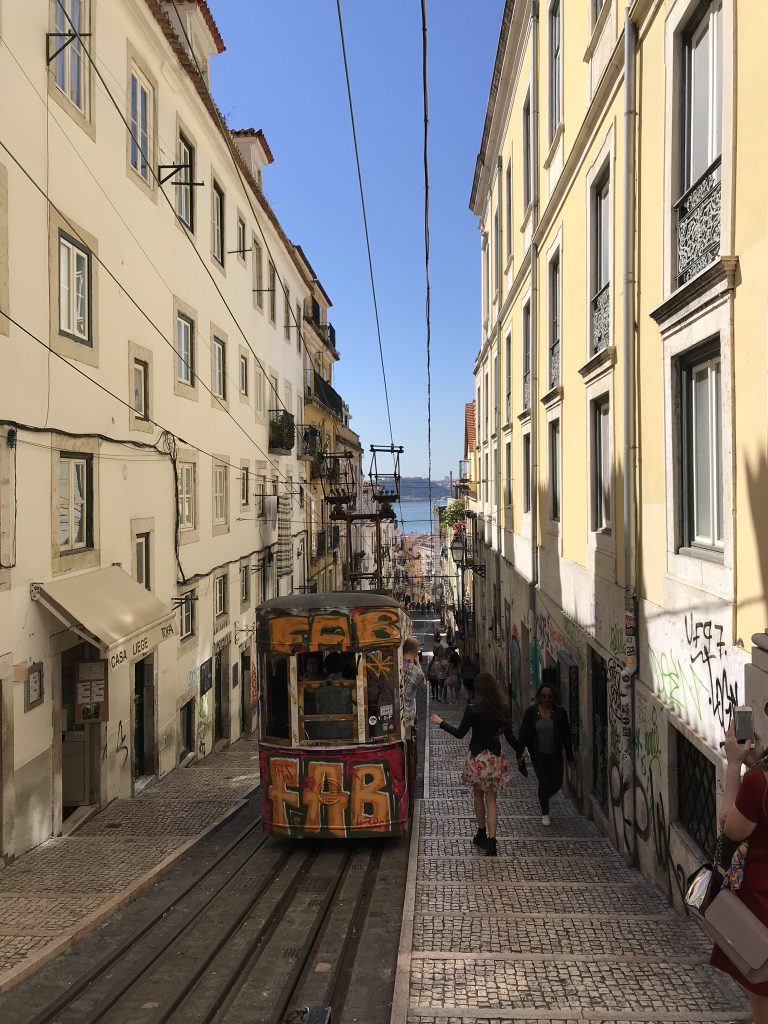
463,469
308,441
527,390
554,364
334,537
327,396
319,544
282,432
698,224
601,319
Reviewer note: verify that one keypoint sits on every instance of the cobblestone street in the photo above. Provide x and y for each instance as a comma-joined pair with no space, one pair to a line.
557,928
62,889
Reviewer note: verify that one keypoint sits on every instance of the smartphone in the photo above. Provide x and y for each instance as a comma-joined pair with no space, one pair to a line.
745,725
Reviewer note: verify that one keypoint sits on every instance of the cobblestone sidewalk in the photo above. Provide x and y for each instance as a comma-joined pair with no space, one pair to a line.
557,928
64,887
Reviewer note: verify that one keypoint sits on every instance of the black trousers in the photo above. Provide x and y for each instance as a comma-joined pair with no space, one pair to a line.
549,772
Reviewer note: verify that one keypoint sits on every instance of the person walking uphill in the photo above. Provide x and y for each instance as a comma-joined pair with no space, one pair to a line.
546,732
485,770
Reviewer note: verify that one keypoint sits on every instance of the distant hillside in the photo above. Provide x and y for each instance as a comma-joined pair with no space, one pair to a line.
416,488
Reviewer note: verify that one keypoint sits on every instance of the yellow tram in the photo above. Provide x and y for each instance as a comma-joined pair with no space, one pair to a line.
334,755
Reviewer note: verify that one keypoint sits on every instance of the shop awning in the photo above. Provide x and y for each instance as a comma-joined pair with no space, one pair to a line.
111,610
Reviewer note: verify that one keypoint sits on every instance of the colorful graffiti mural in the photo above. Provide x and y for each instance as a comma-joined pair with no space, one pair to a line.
335,794
288,630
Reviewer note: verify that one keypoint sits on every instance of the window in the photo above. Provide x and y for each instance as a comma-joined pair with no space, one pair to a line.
298,328
287,323
487,479
186,495
601,266
258,273
141,125
244,375
509,207
245,584
259,495
74,290
526,472
261,385
141,389
555,70
508,475
288,391
220,502
496,252
75,502
187,616
527,355
220,588
495,393
186,730
508,368
527,163
185,193
245,486
70,16
698,209
486,279
597,6
185,350
217,223
142,560
219,376
271,290
601,465
554,469
702,450
487,407
696,793
241,249
554,322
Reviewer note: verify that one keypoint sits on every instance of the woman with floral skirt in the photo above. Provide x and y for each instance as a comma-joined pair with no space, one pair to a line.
485,770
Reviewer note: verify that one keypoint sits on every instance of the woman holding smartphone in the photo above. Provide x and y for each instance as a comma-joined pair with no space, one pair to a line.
744,815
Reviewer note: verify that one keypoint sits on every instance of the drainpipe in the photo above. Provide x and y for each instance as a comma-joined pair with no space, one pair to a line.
497,385
534,322
630,400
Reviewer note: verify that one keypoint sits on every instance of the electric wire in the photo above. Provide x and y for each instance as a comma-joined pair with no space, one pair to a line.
425,90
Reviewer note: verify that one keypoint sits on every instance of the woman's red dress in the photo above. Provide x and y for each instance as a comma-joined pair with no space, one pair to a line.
752,803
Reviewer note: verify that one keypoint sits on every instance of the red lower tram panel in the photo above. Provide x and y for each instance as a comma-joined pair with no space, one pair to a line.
336,792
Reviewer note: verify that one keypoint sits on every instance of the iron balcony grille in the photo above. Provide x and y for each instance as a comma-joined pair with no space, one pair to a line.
309,441
698,224
327,396
601,319
463,469
554,364
319,546
282,432
696,794
527,389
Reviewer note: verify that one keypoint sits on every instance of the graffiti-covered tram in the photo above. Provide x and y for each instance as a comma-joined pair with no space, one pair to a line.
335,757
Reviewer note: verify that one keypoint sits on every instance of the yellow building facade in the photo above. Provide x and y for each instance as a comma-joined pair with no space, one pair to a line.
619,484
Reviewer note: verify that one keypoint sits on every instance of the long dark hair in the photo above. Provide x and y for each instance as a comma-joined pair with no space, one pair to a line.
488,695
555,693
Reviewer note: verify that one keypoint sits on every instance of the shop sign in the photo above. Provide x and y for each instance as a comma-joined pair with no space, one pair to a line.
206,676
142,645
92,695
220,644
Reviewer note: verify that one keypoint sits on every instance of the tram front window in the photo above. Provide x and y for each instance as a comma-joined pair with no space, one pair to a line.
278,707
328,697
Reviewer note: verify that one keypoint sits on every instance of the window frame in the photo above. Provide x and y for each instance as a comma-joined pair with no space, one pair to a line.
143,367
527,153
245,487
704,18
71,459
143,565
555,290
243,375
245,584
74,248
187,610
526,472
219,368
66,57
218,223
287,321
601,464
241,235
508,183
526,350
221,595
555,70
272,291
184,182
555,469
220,494
257,273
704,356
136,129
187,495
181,320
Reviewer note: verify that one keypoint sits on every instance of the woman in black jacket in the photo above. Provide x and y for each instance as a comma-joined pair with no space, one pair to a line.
485,770
546,732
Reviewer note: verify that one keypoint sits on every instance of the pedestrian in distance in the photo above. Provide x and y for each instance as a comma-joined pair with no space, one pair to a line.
546,732
439,668
485,771
744,816
413,680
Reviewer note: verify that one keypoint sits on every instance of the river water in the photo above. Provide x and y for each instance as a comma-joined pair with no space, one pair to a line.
415,516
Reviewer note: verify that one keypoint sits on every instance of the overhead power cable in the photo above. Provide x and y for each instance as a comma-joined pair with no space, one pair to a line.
425,90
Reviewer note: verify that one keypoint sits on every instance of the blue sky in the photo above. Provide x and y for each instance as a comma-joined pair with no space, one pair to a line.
283,72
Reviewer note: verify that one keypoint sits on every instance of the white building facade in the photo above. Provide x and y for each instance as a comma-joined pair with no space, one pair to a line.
151,374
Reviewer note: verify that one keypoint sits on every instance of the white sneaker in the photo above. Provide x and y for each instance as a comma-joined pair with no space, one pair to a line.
545,819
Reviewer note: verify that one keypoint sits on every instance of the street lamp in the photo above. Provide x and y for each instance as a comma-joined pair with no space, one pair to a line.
457,550
458,554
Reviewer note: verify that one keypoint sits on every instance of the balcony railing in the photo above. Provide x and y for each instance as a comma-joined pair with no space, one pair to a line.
463,469
554,364
527,390
698,224
308,441
601,319
282,432
327,396
319,544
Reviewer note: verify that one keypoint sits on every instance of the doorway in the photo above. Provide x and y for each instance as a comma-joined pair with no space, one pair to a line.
80,760
221,695
600,730
246,724
144,759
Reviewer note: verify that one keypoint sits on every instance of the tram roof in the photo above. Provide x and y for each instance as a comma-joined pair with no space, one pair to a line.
334,601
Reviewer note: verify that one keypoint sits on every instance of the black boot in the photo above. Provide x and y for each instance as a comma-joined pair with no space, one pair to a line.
490,850
481,838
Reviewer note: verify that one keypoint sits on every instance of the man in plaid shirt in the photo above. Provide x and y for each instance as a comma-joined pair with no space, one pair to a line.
413,678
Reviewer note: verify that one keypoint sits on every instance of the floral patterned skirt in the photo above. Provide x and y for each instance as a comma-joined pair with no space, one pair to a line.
487,771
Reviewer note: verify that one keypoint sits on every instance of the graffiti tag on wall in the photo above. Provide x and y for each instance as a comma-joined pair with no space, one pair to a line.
344,629
334,795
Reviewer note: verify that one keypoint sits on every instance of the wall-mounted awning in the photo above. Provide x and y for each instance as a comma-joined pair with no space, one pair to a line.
109,609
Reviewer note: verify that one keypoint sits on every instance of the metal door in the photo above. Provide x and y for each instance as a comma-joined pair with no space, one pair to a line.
600,730
138,720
